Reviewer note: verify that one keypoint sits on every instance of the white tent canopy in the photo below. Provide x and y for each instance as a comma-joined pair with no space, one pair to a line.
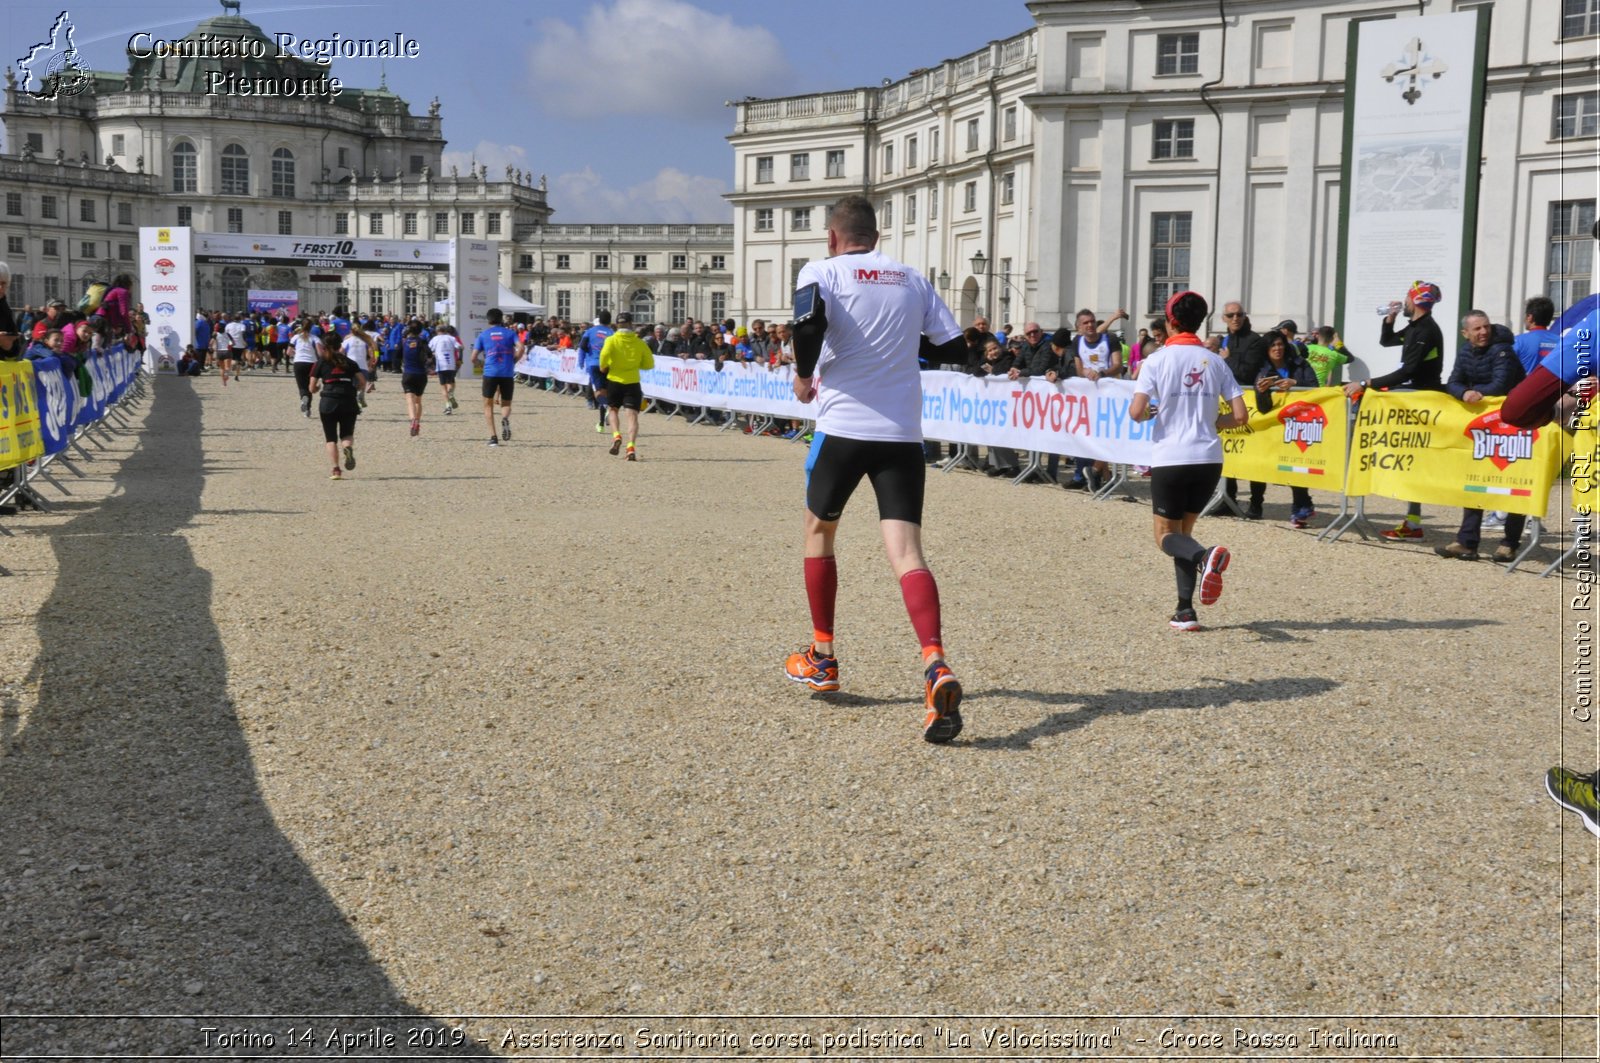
511,303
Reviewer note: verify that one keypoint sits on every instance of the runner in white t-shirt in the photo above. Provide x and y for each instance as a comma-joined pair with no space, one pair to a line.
872,318
446,357
238,331
304,345
357,346
224,338
1185,383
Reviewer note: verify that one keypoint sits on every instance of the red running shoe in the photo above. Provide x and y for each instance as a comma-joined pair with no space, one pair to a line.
1216,564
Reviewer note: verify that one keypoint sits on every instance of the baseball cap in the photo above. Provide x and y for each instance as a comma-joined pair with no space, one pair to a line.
1424,293
1286,323
624,318
741,331
1061,337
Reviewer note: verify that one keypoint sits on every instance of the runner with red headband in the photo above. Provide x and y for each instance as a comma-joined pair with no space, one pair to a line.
1184,383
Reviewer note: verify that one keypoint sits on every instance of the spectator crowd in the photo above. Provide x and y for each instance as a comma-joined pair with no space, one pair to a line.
1490,359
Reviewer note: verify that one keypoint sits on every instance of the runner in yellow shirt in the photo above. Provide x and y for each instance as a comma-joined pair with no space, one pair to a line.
623,355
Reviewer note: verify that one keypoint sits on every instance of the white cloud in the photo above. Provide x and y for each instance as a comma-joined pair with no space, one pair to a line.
670,196
655,57
487,153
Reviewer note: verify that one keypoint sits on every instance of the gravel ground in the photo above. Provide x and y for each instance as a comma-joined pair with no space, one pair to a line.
491,732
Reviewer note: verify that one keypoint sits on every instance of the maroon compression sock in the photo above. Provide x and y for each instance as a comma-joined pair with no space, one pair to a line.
822,588
922,603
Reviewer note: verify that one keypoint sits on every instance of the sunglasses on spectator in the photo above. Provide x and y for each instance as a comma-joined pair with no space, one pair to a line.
1239,313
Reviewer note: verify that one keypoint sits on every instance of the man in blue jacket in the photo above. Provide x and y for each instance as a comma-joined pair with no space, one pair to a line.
1486,365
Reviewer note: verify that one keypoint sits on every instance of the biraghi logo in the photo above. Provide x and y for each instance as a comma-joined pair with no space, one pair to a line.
1303,424
1499,442
165,266
52,68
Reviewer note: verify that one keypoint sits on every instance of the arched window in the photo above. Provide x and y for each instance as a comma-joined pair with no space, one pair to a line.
235,171
235,288
185,169
283,173
643,308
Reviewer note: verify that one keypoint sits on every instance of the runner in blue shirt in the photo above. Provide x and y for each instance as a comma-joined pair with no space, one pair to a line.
589,346
496,356
415,361
1543,393
281,332
1532,345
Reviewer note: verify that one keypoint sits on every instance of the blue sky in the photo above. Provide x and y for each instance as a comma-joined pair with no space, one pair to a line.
620,102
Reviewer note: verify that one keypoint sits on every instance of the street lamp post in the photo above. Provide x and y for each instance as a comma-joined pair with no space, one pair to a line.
980,267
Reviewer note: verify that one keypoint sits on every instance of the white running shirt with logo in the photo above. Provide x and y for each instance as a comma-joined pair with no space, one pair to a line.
869,382
1185,382
445,348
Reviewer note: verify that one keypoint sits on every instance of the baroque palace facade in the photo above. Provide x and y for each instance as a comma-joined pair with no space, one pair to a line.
1122,149
80,173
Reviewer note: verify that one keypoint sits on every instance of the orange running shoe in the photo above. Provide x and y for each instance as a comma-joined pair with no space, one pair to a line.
819,673
943,721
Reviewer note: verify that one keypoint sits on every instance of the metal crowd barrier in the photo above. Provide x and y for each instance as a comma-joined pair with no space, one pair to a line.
22,490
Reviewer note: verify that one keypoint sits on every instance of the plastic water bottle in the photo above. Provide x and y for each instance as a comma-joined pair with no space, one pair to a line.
1388,308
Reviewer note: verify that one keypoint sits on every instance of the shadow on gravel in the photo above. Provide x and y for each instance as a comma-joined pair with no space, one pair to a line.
141,872
1280,630
1129,702
429,479
860,701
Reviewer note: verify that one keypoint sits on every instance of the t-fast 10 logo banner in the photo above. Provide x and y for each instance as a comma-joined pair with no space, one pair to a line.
1427,446
1299,441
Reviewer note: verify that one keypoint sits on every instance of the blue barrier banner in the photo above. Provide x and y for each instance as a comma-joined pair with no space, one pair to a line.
92,406
58,399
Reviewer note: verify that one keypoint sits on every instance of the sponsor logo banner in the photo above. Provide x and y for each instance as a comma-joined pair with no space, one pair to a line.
261,300
321,252
166,282
1425,446
1300,442
56,398
21,439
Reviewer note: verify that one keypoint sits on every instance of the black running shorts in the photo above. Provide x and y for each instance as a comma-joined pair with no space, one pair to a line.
1177,490
447,376
338,418
414,383
835,466
620,395
501,385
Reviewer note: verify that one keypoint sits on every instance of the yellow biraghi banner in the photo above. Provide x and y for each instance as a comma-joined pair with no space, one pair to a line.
20,438
1426,446
1299,443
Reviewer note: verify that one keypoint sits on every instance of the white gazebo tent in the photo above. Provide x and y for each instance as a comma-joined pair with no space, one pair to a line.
511,303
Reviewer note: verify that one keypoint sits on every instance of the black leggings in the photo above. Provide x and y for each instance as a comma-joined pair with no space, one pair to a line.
836,465
302,377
